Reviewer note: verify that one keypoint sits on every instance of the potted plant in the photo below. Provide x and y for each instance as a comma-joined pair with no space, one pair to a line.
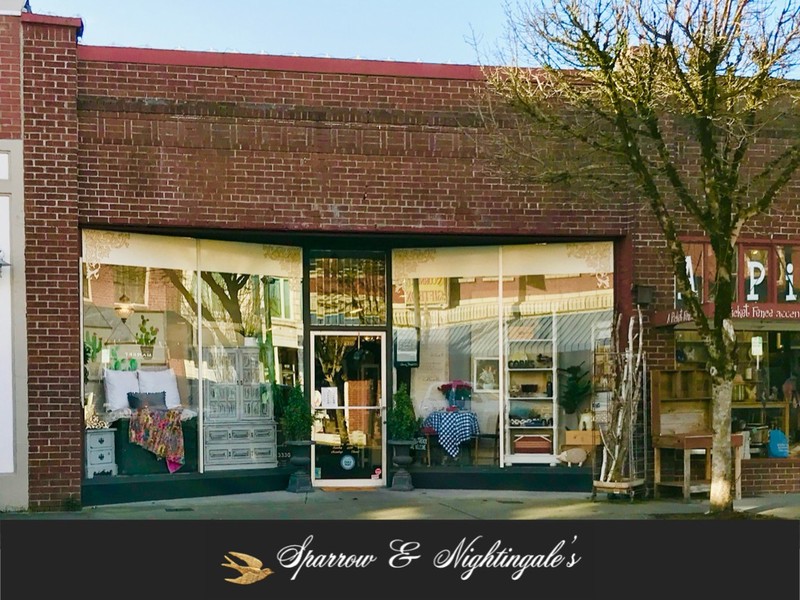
146,337
577,387
402,428
296,423
92,347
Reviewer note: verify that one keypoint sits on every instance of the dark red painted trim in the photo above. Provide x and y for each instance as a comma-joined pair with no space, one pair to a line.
75,22
763,311
277,63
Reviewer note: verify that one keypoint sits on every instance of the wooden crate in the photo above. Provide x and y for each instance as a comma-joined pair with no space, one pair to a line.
582,438
532,444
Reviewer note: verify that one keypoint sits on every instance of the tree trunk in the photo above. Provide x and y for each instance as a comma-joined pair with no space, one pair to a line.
721,496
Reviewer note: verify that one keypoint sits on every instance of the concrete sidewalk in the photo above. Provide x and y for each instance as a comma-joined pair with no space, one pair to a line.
420,504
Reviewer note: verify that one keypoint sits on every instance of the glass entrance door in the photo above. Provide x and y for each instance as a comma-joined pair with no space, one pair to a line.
348,396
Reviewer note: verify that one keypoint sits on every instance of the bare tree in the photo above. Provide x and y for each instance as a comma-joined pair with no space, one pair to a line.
671,102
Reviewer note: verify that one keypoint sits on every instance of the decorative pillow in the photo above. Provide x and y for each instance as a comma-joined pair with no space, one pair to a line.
139,400
163,380
117,384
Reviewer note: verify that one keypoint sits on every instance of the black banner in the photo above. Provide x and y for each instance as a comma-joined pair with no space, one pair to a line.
223,560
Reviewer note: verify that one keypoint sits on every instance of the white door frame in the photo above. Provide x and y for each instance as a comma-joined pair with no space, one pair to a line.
380,409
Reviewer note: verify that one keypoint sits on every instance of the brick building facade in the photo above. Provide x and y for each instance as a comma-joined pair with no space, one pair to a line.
261,150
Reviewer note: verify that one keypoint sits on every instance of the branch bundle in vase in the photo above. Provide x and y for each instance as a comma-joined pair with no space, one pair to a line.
623,407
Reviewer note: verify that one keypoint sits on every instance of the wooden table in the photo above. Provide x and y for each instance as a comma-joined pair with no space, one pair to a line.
681,419
687,443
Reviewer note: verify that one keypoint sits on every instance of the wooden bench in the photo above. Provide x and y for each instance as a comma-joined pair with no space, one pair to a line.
681,420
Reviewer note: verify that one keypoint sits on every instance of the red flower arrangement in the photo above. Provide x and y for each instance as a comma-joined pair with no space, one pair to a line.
459,385
457,392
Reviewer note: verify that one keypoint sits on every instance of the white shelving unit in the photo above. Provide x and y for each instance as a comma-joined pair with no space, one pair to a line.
531,384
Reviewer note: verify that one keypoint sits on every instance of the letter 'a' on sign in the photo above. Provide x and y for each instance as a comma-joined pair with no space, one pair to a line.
757,346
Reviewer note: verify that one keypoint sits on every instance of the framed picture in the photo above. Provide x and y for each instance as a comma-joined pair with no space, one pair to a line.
486,373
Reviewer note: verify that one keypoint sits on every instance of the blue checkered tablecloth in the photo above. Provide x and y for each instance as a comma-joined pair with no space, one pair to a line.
453,428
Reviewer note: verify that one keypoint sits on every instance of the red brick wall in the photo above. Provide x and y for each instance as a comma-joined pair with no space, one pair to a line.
246,145
762,476
52,243
10,78
249,148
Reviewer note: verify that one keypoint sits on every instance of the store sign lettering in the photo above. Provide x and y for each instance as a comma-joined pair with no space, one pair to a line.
464,559
756,273
790,295
754,266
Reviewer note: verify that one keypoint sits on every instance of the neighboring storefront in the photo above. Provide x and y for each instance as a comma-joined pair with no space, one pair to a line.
766,318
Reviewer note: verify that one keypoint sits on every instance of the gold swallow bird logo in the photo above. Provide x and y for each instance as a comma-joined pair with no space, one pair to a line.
251,571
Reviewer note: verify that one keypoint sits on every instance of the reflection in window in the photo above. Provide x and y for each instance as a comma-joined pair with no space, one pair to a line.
131,283
280,298
453,301
244,365
113,342
347,290
696,268
245,361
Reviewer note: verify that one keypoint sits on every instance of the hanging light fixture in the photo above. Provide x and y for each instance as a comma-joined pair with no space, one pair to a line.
123,307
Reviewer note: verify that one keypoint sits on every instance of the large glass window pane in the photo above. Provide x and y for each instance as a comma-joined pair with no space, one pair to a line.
446,301
558,303
347,290
146,299
250,355
146,348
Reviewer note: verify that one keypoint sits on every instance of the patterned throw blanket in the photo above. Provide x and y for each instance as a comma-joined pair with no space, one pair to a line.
159,432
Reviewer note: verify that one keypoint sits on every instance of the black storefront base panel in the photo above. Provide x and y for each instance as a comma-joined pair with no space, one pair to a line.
140,488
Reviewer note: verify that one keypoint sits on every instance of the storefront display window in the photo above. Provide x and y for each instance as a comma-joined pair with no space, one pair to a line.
462,307
765,388
167,325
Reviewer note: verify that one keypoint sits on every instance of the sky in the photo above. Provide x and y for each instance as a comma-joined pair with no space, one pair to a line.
433,31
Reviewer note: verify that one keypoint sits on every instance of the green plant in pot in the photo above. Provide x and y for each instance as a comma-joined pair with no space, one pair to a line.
146,337
402,428
576,388
296,423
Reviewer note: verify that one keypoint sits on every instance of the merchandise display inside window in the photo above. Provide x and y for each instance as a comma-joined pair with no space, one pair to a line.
174,341
764,395
494,325
140,368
